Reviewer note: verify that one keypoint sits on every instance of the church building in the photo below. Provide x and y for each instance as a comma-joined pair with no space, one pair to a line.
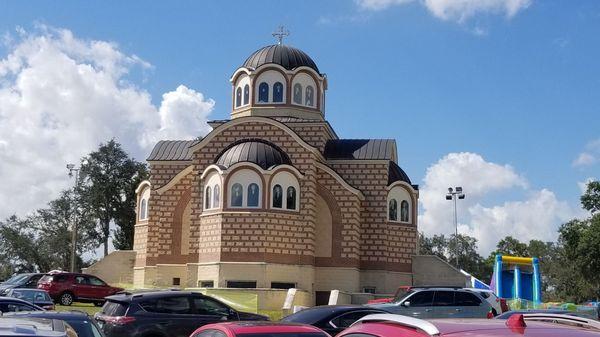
273,197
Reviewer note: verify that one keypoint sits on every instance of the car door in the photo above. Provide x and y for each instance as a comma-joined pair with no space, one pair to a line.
470,305
207,310
443,304
33,281
171,315
417,305
81,287
98,288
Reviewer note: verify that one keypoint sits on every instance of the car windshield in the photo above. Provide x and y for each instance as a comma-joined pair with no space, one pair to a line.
31,295
402,296
17,279
84,328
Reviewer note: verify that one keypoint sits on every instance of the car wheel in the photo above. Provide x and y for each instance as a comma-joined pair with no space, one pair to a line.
66,299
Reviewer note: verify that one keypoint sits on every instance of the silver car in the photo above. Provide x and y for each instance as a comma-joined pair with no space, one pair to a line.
439,302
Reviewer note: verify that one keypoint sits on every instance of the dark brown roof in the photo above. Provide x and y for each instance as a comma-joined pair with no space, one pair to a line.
257,151
360,149
396,173
286,56
176,150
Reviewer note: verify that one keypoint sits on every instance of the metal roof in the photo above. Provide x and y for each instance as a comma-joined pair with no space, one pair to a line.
360,149
175,150
286,56
257,151
395,173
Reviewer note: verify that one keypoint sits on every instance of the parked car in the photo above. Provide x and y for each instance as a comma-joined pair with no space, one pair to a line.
39,297
439,302
84,325
388,325
164,314
34,327
29,280
258,329
332,319
498,304
401,291
66,288
11,304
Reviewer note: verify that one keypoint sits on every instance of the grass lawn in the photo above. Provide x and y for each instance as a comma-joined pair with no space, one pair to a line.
86,307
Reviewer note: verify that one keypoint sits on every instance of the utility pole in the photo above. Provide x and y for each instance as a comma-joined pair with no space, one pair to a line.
73,171
454,194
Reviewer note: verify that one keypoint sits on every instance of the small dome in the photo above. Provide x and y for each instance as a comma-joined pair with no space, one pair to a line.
288,57
257,151
395,173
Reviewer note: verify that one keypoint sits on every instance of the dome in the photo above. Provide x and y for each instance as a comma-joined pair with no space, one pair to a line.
257,151
286,56
395,173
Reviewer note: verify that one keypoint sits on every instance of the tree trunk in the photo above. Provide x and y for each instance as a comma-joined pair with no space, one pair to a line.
105,234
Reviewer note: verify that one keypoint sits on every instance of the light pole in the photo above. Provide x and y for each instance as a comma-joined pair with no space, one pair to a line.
453,194
74,171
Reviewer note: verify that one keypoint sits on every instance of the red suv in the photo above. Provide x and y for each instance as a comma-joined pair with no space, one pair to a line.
65,288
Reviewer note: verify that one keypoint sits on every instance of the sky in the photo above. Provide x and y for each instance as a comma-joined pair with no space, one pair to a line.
497,96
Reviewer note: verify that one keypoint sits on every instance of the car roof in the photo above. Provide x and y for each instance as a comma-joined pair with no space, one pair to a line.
256,327
62,315
10,326
29,289
316,314
131,297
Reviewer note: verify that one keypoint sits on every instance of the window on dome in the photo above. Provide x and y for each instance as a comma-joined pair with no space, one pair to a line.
404,211
310,96
263,92
246,94
277,196
253,195
216,196
237,197
291,198
278,92
143,210
298,93
393,210
238,97
208,198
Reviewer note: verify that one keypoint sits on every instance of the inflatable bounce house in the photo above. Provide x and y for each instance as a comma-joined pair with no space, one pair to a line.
517,278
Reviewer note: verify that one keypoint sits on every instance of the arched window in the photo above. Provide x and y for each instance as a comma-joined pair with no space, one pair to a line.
238,97
207,198
310,96
237,195
393,210
216,196
290,202
404,211
277,196
253,195
278,92
143,210
263,92
298,93
246,94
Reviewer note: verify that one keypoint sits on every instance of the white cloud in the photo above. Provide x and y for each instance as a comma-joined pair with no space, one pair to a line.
583,184
590,156
455,10
60,96
536,217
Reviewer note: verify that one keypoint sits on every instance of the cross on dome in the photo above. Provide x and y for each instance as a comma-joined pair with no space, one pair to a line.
280,33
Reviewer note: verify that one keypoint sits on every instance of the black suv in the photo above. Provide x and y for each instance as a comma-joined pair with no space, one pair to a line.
28,280
164,314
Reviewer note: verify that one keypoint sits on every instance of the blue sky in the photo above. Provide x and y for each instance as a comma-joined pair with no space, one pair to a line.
518,89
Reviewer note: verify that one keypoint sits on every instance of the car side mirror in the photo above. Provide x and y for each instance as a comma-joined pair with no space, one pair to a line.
406,304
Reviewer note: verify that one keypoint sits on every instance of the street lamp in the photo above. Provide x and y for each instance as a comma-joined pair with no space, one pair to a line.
453,194
74,171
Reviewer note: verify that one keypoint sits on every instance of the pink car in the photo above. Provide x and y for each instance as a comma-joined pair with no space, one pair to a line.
258,329
546,325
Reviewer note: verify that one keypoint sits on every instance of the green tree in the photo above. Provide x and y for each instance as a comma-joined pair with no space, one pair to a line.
590,200
511,246
107,191
437,245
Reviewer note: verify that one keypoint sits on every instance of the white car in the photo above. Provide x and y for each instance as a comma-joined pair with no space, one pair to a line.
491,298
